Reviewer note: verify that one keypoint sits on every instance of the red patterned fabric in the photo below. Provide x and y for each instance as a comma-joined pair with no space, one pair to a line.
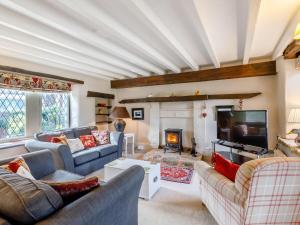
14,165
29,82
176,174
224,166
59,140
88,141
73,188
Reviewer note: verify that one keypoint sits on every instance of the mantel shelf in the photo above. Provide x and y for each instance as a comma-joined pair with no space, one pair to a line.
190,98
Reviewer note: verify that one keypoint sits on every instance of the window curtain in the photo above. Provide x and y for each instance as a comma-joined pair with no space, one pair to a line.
29,82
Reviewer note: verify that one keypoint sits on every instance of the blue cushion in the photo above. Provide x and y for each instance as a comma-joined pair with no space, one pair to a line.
107,149
82,131
62,176
85,156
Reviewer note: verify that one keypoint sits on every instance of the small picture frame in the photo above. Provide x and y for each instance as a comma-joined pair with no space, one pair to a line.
137,113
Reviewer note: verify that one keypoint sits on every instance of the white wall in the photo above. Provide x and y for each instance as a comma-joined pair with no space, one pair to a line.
82,107
266,85
288,92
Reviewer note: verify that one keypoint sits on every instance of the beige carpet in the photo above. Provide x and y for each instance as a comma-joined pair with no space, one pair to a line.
173,204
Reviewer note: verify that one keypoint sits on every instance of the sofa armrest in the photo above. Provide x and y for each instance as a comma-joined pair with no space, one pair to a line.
61,154
219,183
115,202
116,138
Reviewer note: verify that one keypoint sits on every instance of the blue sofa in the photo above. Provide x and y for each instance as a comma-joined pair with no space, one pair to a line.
115,202
82,162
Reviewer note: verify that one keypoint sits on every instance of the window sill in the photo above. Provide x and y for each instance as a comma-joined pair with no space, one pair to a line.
13,143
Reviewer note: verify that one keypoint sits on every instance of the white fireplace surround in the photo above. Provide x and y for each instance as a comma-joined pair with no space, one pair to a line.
203,129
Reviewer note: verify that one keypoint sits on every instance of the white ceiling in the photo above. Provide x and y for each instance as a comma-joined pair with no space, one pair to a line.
115,39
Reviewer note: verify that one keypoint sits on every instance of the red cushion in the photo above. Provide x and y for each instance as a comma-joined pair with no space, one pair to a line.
224,166
72,188
88,141
59,140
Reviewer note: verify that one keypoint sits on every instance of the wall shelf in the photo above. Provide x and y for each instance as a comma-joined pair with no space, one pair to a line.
191,98
104,122
102,114
108,106
99,95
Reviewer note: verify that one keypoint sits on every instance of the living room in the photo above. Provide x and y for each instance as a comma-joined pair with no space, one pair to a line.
141,112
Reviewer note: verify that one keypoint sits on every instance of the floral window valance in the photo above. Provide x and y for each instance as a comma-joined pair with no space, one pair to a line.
29,82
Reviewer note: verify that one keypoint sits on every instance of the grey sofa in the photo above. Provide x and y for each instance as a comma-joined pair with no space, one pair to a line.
82,162
113,203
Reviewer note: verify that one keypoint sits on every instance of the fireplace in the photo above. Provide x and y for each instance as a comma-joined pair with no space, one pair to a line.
173,138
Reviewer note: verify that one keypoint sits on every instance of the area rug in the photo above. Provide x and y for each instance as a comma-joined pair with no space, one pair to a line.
174,167
176,174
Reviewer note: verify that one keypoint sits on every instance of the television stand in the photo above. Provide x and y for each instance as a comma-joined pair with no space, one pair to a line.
235,157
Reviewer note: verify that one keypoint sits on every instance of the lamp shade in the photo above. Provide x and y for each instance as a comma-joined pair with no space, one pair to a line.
294,116
297,32
119,112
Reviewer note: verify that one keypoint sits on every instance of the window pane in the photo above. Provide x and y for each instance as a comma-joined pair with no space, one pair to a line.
12,113
55,111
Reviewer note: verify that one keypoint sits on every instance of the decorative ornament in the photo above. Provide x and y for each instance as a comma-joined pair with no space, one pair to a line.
204,113
150,95
197,92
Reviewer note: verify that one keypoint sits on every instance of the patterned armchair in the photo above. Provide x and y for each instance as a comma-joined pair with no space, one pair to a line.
265,191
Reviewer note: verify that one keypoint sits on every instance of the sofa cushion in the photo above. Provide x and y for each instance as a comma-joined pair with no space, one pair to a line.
74,188
107,149
46,136
61,176
85,156
26,201
224,166
88,141
82,131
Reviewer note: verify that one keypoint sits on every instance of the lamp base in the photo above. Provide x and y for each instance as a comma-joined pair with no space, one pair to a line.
119,125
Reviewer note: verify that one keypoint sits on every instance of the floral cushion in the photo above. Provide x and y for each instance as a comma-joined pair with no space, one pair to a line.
59,140
102,137
20,167
72,188
88,141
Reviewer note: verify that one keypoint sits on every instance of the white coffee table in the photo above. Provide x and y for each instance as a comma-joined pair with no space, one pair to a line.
151,182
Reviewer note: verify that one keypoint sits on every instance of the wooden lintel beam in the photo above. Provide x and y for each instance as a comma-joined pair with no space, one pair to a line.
99,95
191,98
38,74
231,72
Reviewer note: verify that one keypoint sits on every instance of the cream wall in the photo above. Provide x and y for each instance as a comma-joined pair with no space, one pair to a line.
266,85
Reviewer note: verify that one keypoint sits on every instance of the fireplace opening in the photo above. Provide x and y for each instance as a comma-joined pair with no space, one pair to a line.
173,138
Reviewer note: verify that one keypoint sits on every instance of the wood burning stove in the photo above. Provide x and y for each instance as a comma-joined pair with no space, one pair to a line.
173,138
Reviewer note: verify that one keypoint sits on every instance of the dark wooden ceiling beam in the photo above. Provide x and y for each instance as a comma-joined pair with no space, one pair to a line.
38,74
231,72
191,98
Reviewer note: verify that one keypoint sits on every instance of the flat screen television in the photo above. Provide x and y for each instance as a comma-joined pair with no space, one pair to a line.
248,127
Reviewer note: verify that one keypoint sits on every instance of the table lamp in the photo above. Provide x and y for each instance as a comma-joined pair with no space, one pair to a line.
119,113
294,117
